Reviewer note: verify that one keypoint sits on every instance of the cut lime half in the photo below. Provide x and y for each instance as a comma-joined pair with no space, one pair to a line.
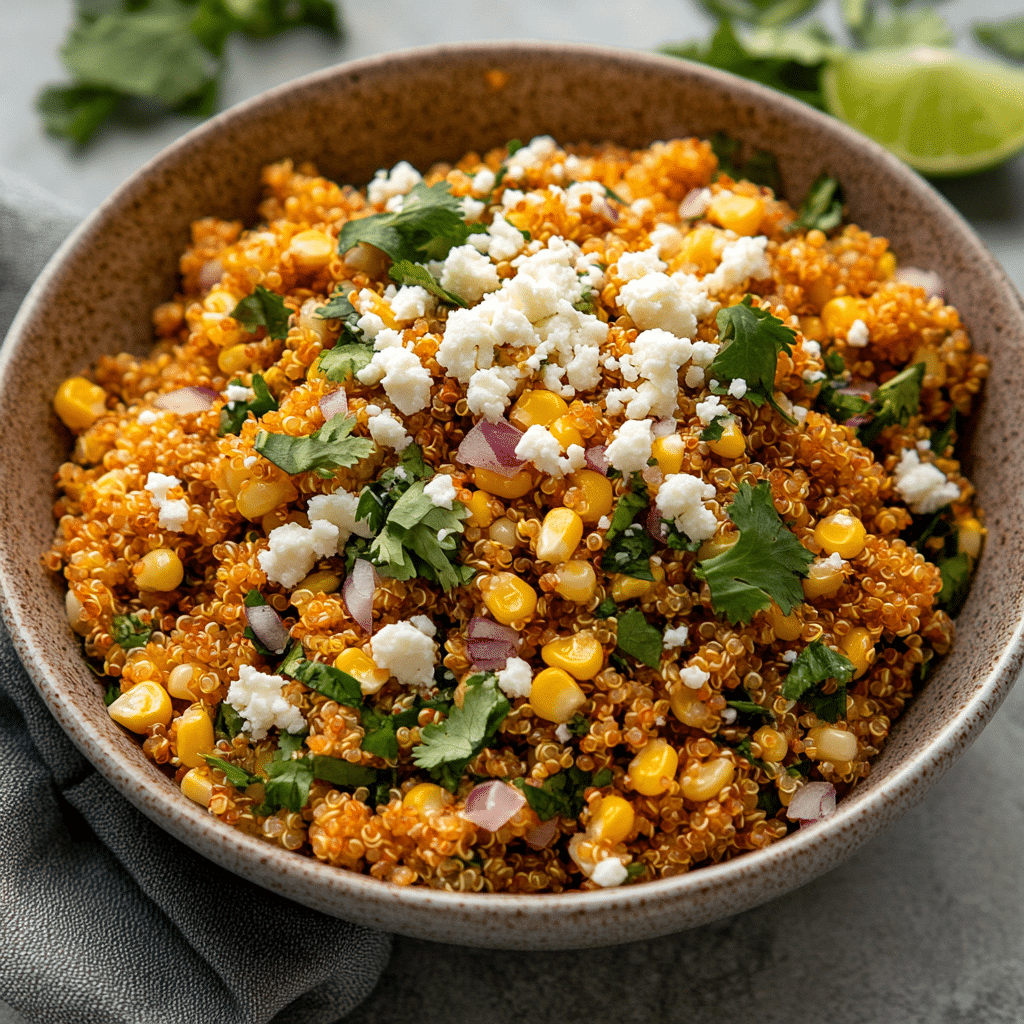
941,112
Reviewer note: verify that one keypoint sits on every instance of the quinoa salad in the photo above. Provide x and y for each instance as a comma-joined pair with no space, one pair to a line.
563,518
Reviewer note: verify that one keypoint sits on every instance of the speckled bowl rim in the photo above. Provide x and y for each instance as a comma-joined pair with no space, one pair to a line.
504,920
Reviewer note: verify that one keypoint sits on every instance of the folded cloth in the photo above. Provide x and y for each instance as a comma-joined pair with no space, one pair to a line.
104,917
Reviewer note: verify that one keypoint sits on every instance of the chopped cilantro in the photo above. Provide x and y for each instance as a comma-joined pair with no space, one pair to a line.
841,405
406,272
941,439
338,307
560,794
228,723
835,365
764,565
578,725
822,207
288,743
342,773
634,871
956,580
329,448
343,362
769,802
675,539
743,748
234,414
816,664
638,638
602,778
379,734
713,431
253,599
76,111
894,402
586,302
236,775
129,631
263,308
331,682
112,692
287,785
629,545
760,167
607,609
292,659
748,707
751,342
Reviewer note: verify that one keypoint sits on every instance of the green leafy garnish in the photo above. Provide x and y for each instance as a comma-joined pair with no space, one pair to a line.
578,725
713,431
816,664
751,341
343,362
894,402
76,111
956,582
822,207
287,785
331,682
112,692
288,743
129,631
512,146
638,638
329,448
338,307
379,734
560,794
607,609
759,166
292,659
769,802
629,545
941,439
234,414
841,405
602,778
743,748
635,871
236,775
228,723
764,565
1004,37
405,272
748,707
263,308
343,773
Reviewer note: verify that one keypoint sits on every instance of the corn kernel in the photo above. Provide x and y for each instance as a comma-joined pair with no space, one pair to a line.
183,682
198,786
823,580
79,403
374,303
537,407
363,668
144,705
74,608
741,214
560,535
234,359
858,646
732,444
510,599
885,267
627,588
577,581
480,514
831,744
653,769
426,798
838,314
503,531
669,451
716,545
612,820
687,708
159,569
323,582
312,249
504,486
774,745
970,534
785,627
841,534
580,655
706,780
699,248
598,495
555,695
258,497
564,431
195,736
812,328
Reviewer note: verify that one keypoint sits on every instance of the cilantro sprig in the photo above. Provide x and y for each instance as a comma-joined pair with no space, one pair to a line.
406,272
629,545
325,450
822,207
263,308
636,637
894,402
815,665
561,794
234,414
130,631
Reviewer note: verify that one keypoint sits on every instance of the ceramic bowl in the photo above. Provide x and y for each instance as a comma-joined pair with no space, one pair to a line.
424,105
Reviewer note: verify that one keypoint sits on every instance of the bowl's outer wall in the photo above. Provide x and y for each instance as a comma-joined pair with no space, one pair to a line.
97,295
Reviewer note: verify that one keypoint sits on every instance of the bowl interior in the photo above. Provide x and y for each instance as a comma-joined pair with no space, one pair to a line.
97,295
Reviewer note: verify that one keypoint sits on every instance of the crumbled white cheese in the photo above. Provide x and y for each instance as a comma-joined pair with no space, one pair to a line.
505,240
638,264
922,485
539,446
680,498
402,179
173,515
147,416
588,196
711,409
487,394
339,509
249,461
424,625
257,697
294,550
604,523
704,353
631,447
440,490
562,733
813,376
531,155
812,348
857,336
404,378
675,637
694,377
674,304
411,302
923,446
741,260
667,240
729,716
516,678
472,209
468,273
404,651
694,677
387,430
738,388
238,393
609,873
834,561
656,356
387,338
789,657
483,181
158,485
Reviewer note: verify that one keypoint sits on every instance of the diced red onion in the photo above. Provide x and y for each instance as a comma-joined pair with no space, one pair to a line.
812,802
358,593
490,644
926,279
655,525
334,403
540,837
492,446
597,460
695,204
266,624
487,629
493,804
186,400
210,274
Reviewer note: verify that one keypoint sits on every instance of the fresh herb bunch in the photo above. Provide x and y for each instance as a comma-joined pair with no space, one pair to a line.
159,56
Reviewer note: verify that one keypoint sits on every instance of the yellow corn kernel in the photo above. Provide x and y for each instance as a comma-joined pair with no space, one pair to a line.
668,451
75,612
838,314
785,627
195,736
934,367
114,482
323,582
560,535
145,704
510,599
841,534
970,534
653,769
580,655
716,546
555,695
160,569
504,486
741,214
577,581
234,359
823,580
503,531
831,744
626,588
732,444
699,247
812,328
362,667
312,250
480,514
886,266
375,304
598,495
198,786
537,407
774,745
79,403
612,820
858,646
687,708
258,497
183,682
564,431
426,798
706,780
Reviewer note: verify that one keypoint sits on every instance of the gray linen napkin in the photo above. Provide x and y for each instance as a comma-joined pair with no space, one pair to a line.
103,916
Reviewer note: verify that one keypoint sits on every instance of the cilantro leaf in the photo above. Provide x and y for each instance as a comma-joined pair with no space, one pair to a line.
76,111
815,665
675,539
744,749
764,565
560,794
379,734
751,341
263,308
405,272
338,307
607,609
343,773
822,207
234,414
629,545
602,778
956,581
748,707
287,785
329,448
1004,37
129,631
236,775
759,167
288,743
941,439
343,362
331,682
292,659
638,638
769,802
760,12
578,725
713,431
228,723
841,405
894,402
112,692
635,871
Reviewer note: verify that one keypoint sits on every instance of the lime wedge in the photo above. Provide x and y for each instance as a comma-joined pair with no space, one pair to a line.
941,112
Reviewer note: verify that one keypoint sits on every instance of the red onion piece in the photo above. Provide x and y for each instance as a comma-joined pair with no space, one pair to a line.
540,837
487,629
926,279
334,403
597,460
695,203
186,400
492,446
490,644
812,802
358,593
493,804
655,526
268,627
210,274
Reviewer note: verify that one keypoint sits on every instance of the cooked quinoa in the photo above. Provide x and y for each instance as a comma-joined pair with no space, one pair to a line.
545,523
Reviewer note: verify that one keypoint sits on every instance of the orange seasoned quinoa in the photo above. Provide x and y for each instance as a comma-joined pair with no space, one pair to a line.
565,518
